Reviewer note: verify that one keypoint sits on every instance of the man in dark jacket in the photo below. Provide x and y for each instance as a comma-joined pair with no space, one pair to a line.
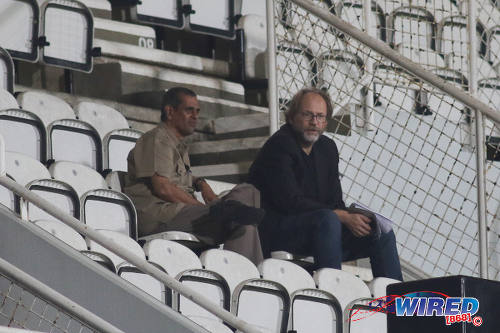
297,174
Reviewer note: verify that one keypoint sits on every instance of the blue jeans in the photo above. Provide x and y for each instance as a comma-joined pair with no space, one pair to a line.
321,234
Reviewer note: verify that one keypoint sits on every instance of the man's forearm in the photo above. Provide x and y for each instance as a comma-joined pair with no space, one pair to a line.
169,192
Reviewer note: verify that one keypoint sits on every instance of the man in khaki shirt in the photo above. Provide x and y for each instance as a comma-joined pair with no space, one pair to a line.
162,187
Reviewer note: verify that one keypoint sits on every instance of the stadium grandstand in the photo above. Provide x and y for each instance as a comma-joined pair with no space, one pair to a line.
416,91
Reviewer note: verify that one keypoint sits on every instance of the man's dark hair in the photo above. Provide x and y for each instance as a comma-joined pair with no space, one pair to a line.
294,106
172,97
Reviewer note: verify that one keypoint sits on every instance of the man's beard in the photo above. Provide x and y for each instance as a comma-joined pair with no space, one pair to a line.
310,138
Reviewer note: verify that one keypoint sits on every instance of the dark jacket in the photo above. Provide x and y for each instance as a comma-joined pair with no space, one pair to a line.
278,172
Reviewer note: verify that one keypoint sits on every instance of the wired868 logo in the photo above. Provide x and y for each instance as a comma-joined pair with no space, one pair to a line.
425,304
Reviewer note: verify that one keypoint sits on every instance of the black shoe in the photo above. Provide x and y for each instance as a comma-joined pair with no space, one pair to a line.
234,212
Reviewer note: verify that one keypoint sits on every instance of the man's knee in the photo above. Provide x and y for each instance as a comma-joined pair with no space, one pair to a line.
326,221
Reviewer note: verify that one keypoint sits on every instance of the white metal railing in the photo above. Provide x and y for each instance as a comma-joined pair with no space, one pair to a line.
449,246
120,250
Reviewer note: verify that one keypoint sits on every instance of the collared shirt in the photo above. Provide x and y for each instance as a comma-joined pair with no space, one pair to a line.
157,151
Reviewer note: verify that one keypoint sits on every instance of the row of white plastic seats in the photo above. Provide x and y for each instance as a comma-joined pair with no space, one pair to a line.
46,127
74,188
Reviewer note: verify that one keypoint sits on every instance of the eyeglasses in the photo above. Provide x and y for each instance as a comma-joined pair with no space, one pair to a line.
321,118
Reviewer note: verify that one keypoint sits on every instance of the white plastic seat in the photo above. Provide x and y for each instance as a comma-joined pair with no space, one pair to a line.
80,177
493,48
64,233
411,26
426,58
58,193
180,262
116,180
340,73
297,259
460,63
24,133
76,141
24,169
255,44
109,210
116,146
6,74
20,17
218,23
302,67
117,238
257,7
7,101
312,310
146,282
452,36
309,30
102,117
438,8
67,27
164,13
378,286
47,107
346,287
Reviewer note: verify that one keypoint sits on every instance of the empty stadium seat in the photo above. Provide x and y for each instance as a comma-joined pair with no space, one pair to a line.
24,169
24,133
254,47
438,8
378,286
6,72
116,146
352,11
340,74
23,18
146,282
68,31
75,141
204,19
411,26
109,210
117,238
164,13
494,44
302,66
58,193
255,7
103,118
7,101
180,262
312,310
452,36
262,303
318,35
346,287
80,177
63,233
46,106
460,63
426,58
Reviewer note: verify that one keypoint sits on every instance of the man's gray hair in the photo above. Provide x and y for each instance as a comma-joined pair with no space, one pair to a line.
294,106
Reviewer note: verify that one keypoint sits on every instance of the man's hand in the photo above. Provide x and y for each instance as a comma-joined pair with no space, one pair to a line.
358,224
206,192
169,192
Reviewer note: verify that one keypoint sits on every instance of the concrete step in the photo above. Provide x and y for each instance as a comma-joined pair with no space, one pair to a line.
225,151
228,172
249,125
116,78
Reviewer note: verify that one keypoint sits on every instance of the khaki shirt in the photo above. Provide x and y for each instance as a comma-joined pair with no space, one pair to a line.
157,151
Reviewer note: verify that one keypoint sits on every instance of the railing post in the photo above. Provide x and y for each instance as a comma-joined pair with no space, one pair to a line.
368,103
2,157
480,141
272,85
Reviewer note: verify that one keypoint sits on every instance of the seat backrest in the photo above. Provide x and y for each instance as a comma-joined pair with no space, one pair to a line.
24,169
291,276
58,193
116,145
80,177
219,23
378,286
24,133
64,233
47,107
412,26
102,117
109,210
173,257
345,286
116,180
145,282
7,101
255,41
234,267
117,238
75,141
